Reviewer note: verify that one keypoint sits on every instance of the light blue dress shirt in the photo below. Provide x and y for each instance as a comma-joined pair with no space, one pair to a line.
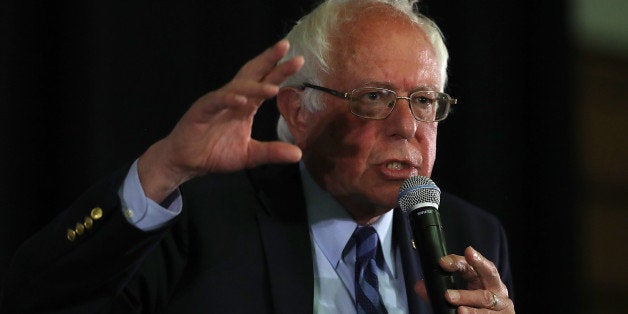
331,228
140,210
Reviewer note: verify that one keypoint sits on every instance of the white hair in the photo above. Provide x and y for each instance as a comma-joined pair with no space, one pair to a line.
310,38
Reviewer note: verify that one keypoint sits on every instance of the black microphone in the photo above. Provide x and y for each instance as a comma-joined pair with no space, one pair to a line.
419,198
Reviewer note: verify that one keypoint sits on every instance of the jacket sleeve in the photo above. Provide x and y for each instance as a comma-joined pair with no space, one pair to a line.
86,260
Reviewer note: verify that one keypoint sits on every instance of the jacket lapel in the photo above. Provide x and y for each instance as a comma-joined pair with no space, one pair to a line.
410,260
285,238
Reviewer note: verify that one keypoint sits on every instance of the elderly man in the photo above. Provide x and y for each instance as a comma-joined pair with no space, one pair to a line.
361,96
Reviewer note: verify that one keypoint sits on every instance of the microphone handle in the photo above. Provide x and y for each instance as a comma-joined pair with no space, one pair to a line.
430,241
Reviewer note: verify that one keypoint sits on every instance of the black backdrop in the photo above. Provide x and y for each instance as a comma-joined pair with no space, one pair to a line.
86,86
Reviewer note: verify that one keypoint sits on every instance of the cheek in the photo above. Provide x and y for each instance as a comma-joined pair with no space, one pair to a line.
334,150
326,143
428,140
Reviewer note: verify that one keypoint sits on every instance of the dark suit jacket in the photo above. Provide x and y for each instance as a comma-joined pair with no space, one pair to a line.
241,245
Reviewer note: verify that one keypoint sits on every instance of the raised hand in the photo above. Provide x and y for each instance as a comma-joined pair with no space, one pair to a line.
214,135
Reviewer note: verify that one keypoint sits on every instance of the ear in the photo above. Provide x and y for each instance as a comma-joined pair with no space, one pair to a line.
289,105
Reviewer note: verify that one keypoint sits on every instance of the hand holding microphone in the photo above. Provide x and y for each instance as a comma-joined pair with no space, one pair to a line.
419,199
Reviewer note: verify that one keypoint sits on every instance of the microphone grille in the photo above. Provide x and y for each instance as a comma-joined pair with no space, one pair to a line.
418,190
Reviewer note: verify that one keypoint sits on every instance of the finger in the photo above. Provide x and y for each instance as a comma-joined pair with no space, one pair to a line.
211,103
251,89
471,301
474,298
284,70
486,270
421,290
272,152
258,67
236,95
459,264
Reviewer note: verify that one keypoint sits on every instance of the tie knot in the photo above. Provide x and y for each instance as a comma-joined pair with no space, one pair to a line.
366,241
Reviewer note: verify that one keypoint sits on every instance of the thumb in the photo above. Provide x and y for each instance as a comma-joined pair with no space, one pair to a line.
272,152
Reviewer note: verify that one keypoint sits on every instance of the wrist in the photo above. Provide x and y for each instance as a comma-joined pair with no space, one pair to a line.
158,177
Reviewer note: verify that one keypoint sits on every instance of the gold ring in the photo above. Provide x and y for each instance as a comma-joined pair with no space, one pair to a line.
494,300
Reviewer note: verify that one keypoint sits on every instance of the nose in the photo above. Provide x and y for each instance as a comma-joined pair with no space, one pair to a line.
401,123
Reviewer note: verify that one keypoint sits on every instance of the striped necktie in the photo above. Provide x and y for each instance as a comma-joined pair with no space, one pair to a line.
367,298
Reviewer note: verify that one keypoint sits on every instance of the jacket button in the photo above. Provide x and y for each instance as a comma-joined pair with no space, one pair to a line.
80,229
71,235
88,223
96,213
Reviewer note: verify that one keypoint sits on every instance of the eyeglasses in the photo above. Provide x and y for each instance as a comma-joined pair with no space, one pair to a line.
377,103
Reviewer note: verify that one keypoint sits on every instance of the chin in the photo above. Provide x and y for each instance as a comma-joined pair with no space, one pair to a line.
386,202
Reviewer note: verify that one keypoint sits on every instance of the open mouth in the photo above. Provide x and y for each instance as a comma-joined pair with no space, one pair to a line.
396,165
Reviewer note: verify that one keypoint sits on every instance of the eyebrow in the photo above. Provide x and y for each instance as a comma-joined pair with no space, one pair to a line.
389,85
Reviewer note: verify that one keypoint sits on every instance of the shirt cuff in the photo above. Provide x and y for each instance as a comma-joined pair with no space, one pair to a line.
141,211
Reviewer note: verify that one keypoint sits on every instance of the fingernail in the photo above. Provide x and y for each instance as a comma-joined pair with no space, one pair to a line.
448,260
476,255
270,88
453,295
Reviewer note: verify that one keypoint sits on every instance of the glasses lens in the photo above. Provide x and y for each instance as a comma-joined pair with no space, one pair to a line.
430,106
373,103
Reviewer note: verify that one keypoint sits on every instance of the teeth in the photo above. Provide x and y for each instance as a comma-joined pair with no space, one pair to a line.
394,165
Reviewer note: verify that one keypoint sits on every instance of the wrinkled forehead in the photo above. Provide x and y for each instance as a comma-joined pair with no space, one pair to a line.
375,37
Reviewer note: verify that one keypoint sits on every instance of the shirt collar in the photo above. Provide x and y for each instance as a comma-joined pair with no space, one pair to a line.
331,226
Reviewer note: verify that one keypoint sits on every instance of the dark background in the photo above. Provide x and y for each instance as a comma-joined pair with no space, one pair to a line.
86,87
